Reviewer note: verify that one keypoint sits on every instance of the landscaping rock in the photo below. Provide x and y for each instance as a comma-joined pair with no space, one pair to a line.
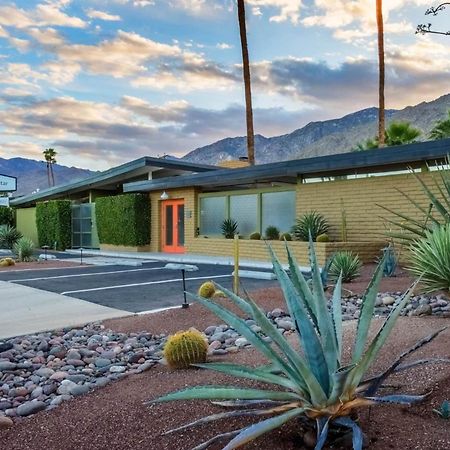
28,408
388,300
5,422
423,310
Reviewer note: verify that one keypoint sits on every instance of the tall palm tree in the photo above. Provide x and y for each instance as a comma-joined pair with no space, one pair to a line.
442,129
381,107
50,158
247,83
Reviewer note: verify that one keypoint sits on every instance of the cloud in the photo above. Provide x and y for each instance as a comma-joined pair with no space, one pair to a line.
288,10
101,15
224,46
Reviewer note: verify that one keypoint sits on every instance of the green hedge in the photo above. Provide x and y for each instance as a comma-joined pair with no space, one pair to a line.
6,216
123,220
54,223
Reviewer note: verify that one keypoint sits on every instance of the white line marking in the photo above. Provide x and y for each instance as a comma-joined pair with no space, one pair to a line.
83,274
157,310
143,284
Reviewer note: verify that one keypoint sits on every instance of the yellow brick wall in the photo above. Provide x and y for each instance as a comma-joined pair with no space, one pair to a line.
365,220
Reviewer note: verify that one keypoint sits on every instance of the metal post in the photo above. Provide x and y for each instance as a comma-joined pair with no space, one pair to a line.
185,303
81,256
45,247
236,264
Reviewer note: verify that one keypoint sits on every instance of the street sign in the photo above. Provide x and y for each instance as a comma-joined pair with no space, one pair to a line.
8,184
4,201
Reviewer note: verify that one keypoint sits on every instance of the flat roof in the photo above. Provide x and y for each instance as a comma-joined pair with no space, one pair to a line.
377,160
115,175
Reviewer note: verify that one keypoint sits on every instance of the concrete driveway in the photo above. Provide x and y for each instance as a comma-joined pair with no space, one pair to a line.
26,310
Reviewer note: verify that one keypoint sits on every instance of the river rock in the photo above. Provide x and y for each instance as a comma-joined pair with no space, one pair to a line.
28,408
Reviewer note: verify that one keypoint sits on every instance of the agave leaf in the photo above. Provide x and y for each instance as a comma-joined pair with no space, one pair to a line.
337,316
253,431
305,328
245,403
241,327
367,308
373,387
339,380
357,438
238,301
322,432
213,440
226,392
409,219
425,212
421,362
416,231
441,192
399,399
251,373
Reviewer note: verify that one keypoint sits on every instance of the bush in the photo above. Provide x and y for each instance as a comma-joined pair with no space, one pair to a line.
24,249
9,236
347,263
123,220
272,233
255,236
6,216
430,257
285,237
54,224
311,222
229,228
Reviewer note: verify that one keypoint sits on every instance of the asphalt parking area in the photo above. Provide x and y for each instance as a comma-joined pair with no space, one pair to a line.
135,289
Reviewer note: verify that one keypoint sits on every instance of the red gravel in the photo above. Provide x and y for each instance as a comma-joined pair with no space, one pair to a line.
35,265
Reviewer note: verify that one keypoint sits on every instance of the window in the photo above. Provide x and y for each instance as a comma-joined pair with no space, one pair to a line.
212,214
278,210
244,210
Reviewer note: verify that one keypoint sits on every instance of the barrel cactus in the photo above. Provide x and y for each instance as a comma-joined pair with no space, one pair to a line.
255,236
285,237
323,238
5,262
207,289
185,348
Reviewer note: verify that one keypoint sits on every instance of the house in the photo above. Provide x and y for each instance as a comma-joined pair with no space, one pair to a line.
188,203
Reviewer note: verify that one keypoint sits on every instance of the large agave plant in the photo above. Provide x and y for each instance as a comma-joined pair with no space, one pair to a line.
314,382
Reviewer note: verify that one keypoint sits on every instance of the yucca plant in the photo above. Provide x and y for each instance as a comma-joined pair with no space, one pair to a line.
314,382
272,233
9,236
24,249
229,228
311,223
430,257
345,264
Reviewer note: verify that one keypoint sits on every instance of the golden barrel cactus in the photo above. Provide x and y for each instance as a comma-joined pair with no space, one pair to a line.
207,290
185,348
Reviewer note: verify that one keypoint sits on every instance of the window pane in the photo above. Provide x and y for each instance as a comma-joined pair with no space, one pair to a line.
86,225
169,225
181,225
76,225
86,240
212,214
278,210
243,210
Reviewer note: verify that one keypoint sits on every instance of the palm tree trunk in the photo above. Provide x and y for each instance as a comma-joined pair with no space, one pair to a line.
381,106
247,83
53,174
48,174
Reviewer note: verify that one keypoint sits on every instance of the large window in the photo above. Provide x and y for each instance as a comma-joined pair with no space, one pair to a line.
278,210
253,211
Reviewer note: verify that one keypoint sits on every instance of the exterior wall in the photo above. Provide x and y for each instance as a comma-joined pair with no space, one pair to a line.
234,164
366,221
26,223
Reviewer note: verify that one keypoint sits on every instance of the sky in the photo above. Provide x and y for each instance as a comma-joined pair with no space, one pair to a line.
106,81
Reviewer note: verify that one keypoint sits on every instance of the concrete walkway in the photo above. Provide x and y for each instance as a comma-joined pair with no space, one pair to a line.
25,310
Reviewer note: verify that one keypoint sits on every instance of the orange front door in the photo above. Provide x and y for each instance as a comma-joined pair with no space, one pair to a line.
172,233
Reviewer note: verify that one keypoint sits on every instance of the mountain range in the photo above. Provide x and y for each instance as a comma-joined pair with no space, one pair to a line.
323,138
315,139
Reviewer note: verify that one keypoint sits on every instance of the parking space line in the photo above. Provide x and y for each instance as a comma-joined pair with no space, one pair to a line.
143,284
84,274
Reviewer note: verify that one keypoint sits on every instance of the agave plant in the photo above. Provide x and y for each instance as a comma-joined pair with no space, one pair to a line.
24,249
315,382
347,265
312,224
9,236
229,228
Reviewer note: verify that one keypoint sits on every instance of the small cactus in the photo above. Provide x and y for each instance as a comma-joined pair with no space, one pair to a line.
323,238
185,348
285,237
256,236
5,262
207,290
272,233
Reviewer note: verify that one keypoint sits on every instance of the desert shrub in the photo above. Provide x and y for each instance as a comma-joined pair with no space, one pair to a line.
229,228
285,237
185,348
310,223
272,233
315,383
6,216
9,236
123,220
54,224
23,249
255,236
430,258
347,263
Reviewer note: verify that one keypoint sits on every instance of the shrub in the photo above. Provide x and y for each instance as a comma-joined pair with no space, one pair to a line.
123,220
315,382
6,216
9,236
272,233
255,236
229,228
285,237
54,224
310,223
185,348
24,249
323,238
430,257
347,263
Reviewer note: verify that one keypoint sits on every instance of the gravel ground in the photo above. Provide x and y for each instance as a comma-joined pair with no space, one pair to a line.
33,265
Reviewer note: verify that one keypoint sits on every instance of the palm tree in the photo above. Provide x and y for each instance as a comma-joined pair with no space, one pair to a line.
247,84
442,129
50,158
381,115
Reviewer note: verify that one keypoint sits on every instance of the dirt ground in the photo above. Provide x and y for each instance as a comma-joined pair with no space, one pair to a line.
115,417
33,265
